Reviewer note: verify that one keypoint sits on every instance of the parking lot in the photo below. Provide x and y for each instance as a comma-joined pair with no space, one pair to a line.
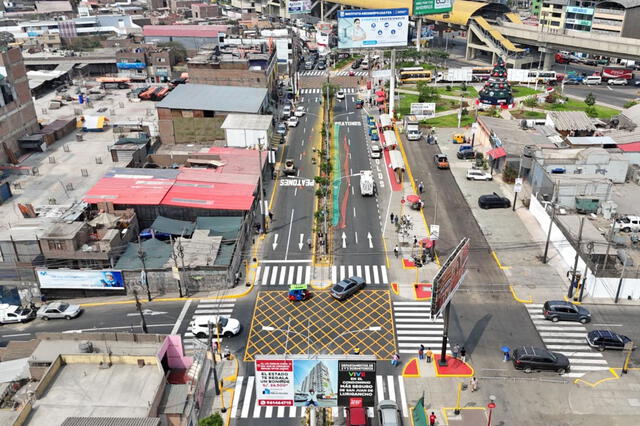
322,325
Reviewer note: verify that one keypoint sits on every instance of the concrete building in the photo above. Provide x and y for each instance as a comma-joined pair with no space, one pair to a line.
194,113
17,113
205,10
192,37
247,130
146,62
245,63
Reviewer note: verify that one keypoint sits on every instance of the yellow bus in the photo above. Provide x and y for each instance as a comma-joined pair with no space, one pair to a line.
414,75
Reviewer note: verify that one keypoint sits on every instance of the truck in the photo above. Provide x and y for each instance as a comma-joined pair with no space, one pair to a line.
413,130
573,77
10,314
516,75
616,72
455,75
367,185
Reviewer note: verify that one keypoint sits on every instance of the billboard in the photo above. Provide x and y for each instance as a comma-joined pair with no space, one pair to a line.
431,7
449,277
80,279
372,28
296,7
423,110
323,382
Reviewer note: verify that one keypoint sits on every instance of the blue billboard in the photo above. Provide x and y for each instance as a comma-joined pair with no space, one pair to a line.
80,279
376,28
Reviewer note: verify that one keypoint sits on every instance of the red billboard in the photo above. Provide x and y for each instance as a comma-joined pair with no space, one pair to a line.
449,278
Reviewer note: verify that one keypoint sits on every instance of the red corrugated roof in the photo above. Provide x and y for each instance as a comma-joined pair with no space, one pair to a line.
210,195
129,190
182,30
630,147
496,153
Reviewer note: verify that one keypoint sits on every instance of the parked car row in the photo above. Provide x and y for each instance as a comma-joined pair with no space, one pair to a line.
13,314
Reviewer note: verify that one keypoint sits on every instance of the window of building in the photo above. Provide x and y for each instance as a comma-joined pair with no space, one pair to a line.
207,114
160,60
555,24
55,245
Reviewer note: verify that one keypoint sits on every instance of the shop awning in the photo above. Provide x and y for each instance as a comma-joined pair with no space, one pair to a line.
497,153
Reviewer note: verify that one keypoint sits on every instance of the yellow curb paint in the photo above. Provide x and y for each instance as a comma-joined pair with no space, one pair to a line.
566,299
495,257
395,288
615,376
445,416
386,253
405,374
517,299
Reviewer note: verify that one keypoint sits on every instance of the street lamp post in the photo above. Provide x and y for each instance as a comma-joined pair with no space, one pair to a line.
491,405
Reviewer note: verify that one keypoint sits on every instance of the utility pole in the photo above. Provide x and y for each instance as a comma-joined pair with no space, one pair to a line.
575,263
624,266
546,245
215,370
590,247
610,239
141,256
181,254
418,33
143,322
175,263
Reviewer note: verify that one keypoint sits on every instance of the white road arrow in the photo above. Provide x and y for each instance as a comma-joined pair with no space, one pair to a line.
344,240
275,241
369,238
300,244
147,312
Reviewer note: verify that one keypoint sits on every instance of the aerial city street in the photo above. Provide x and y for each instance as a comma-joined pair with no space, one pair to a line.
353,213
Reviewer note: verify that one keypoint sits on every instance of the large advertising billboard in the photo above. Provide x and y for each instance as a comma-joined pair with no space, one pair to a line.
80,279
297,7
321,382
431,7
372,28
449,278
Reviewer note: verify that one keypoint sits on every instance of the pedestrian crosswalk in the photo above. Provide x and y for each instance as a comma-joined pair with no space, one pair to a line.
271,275
346,90
223,307
355,73
244,401
569,339
414,327
313,73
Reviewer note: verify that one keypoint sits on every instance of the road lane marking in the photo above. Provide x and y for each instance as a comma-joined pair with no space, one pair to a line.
274,276
286,253
356,235
354,212
236,396
247,398
185,308
24,334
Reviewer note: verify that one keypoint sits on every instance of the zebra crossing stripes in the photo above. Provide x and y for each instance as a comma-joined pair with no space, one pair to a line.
414,327
569,339
313,73
222,307
356,73
244,400
347,90
271,275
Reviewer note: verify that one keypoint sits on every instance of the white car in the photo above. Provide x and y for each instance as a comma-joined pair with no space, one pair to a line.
58,310
300,111
292,121
227,327
376,151
473,174
340,95
286,111
619,82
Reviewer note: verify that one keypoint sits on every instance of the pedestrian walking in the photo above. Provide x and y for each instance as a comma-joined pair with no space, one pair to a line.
270,215
432,419
415,241
463,354
421,352
395,360
392,216
456,350
421,187
473,384
396,250
429,354
395,219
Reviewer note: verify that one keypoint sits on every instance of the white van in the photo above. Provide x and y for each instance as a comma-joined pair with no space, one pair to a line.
592,80
365,64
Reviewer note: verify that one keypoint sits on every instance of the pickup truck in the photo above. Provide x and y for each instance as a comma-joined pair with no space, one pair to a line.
441,161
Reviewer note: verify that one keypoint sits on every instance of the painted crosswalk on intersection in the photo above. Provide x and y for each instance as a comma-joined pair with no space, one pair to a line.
569,339
244,399
223,307
347,90
414,326
271,275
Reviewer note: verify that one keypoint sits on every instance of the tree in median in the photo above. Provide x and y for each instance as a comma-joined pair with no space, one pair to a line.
427,93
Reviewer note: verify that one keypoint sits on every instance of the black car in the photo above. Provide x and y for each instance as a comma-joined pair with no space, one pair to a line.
493,201
531,359
347,287
322,65
559,310
356,64
605,339
636,83
467,154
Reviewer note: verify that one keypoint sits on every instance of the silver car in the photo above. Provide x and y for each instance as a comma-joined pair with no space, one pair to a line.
58,310
389,413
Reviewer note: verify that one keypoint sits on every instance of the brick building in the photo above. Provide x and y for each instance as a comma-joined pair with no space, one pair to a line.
205,10
17,113
146,62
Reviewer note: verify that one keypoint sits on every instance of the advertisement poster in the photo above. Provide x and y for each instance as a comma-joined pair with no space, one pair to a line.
316,382
274,382
431,7
296,7
356,383
80,279
372,28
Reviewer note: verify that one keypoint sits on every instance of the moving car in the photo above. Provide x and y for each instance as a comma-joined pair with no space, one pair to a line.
340,95
605,339
458,138
299,111
530,359
356,64
467,154
282,129
308,66
493,201
618,82
359,103
227,327
289,167
389,413
57,310
592,80
292,121
474,174
347,287
322,65
441,160
376,151
286,111
559,310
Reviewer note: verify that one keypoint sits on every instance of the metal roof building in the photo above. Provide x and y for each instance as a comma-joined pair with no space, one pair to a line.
225,99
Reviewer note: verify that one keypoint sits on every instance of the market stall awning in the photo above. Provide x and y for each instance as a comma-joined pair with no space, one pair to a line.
497,153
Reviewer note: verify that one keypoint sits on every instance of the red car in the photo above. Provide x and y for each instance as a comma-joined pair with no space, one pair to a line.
357,416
